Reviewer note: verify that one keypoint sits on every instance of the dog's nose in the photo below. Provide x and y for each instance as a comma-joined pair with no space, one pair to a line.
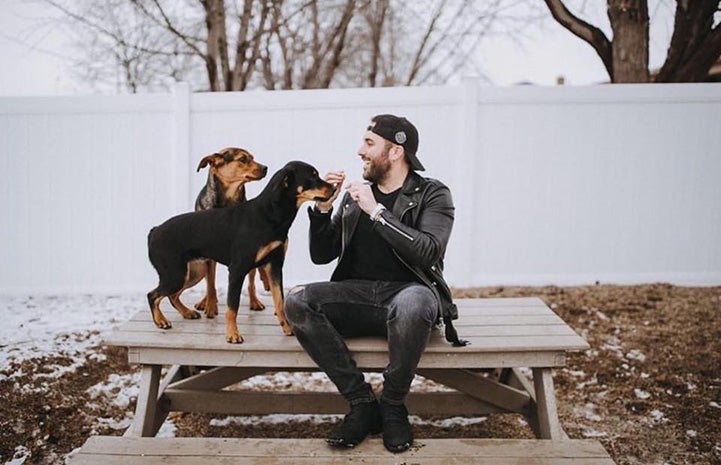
264,170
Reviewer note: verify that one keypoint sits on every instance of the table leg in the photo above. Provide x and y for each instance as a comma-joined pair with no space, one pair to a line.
146,409
546,412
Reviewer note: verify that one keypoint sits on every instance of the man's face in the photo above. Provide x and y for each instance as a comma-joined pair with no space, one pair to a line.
374,153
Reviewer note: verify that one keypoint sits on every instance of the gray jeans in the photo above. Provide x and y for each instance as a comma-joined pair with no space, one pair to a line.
322,314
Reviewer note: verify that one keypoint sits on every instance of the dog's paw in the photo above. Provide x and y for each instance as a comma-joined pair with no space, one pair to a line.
211,313
234,338
287,330
191,315
160,320
201,304
256,305
163,324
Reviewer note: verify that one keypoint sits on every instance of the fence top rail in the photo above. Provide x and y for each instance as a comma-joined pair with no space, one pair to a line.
289,100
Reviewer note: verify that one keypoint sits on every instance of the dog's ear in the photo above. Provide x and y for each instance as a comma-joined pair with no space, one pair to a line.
211,159
288,178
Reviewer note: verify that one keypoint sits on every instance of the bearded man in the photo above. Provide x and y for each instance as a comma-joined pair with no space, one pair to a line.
390,236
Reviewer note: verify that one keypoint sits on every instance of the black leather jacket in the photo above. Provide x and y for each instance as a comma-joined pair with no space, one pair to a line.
418,229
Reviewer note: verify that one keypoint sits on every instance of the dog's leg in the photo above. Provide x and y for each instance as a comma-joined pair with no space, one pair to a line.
255,303
265,279
235,283
154,298
187,313
211,296
274,269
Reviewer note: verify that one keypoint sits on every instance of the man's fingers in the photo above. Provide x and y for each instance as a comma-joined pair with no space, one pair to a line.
335,177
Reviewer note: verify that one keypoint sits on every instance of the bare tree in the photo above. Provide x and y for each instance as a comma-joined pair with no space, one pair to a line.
236,44
308,41
429,41
695,44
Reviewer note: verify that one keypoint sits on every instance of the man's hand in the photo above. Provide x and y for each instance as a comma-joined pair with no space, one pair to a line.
362,194
336,178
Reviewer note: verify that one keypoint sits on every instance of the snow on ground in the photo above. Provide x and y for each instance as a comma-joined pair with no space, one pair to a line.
72,327
37,326
283,419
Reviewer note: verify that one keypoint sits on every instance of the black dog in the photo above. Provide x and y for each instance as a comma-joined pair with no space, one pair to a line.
243,236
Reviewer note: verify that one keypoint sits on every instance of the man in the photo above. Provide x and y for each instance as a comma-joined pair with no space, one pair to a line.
389,236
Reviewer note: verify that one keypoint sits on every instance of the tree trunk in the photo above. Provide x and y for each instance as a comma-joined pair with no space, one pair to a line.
211,54
376,18
630,22
695,45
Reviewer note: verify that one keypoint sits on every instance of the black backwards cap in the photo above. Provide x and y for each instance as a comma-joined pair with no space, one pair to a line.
400,131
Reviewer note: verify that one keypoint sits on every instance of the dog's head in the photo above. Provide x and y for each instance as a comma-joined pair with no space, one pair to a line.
234,165
302,181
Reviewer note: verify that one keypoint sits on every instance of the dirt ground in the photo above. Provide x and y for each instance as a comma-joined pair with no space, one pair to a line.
649,388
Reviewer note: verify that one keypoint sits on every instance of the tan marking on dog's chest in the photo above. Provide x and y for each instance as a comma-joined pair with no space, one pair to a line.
266,249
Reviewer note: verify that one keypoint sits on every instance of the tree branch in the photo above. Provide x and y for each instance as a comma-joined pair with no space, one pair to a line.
585,31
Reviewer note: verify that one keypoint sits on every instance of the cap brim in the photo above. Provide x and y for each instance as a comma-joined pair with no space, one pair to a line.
415,163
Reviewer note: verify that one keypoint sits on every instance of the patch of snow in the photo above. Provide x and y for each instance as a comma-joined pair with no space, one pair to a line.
691,433
575,373
714,404
641,394
119,389
447,422
588,412
319,382
600,314
167,430
36,326
114,424
21,454
658,416
636,355
592,433
71,454
275,419
615,348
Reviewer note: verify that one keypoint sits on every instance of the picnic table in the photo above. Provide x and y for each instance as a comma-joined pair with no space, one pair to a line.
506,335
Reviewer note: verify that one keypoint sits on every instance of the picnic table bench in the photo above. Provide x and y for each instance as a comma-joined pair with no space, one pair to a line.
506,334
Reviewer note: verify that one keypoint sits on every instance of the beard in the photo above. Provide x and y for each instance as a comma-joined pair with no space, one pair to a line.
378,168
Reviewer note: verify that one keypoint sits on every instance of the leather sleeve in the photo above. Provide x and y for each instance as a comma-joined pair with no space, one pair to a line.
425,244
325,234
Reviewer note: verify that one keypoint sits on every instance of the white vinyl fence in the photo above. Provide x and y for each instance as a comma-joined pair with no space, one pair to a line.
562,185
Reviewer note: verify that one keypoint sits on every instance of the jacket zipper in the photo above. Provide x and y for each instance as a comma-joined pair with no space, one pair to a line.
382,221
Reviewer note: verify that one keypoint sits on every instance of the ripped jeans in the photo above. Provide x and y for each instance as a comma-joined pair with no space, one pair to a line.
322,314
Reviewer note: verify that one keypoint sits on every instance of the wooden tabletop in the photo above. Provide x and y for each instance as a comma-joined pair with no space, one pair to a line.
504,332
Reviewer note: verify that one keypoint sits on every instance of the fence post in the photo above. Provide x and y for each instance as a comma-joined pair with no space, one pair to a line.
466,199
181,147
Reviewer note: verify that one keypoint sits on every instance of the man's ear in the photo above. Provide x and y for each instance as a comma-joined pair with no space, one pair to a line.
396,152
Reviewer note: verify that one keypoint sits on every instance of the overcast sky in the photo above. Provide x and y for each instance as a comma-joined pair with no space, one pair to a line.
34,59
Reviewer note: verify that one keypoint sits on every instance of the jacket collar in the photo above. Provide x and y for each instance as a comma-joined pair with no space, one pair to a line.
411,191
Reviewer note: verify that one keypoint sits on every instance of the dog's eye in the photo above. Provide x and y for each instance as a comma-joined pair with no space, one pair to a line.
244,159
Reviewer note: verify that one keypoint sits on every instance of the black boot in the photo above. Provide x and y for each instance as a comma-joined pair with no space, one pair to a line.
397,433
362,420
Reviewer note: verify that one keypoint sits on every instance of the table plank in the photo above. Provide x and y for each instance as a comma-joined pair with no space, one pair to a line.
280,342
265,451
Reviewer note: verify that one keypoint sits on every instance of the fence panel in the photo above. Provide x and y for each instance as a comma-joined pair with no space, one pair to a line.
551,185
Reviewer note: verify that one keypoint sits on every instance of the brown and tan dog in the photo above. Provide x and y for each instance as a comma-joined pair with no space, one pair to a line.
243,236
230,169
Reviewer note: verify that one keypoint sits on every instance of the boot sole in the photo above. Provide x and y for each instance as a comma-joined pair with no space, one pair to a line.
344,444
398,448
